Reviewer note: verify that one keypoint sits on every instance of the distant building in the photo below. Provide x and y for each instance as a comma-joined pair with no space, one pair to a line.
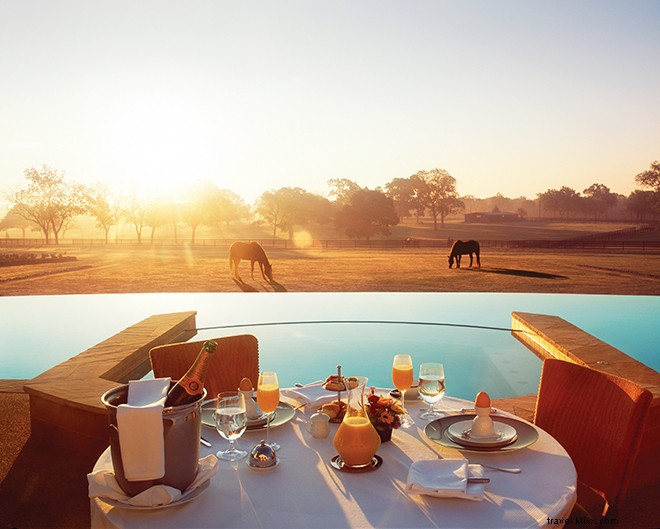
492,216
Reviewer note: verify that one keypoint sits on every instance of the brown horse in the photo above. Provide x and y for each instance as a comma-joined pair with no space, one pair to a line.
252,251
462,248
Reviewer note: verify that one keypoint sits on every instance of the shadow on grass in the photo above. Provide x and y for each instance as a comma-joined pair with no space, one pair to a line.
277,287
245,287
514,272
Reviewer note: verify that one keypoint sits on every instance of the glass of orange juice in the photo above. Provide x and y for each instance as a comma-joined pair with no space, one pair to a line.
402,376
268,397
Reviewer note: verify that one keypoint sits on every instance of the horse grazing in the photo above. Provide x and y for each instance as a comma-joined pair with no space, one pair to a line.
252,251
462,248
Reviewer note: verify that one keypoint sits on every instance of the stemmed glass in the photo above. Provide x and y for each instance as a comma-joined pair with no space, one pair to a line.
231,421
268,397
431,387
402,376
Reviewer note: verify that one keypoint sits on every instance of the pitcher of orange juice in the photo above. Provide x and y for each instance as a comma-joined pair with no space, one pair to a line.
356,439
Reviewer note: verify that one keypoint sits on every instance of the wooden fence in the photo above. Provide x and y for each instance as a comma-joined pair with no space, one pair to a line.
590,243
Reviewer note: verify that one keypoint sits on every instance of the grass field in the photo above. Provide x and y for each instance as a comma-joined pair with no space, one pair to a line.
127,268
204,269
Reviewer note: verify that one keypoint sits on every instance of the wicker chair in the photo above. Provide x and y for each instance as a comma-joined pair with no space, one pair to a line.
598,418
236,357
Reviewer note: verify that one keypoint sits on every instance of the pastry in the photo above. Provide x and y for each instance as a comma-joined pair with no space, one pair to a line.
337,383
334,383
335,410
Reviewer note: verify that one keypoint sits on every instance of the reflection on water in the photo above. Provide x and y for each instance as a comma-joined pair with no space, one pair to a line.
41,331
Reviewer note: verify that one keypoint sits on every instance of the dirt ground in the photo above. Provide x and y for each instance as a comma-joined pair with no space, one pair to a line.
206,269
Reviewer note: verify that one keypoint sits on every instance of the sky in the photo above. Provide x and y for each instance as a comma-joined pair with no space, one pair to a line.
511,97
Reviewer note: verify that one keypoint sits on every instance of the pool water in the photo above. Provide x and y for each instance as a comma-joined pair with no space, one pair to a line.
41,331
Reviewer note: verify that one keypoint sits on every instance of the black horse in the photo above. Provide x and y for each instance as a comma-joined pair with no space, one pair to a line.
462,248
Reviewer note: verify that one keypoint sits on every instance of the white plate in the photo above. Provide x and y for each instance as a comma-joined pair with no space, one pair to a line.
459,433
185,498
437,431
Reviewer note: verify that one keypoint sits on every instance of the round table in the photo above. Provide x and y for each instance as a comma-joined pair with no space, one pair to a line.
304,490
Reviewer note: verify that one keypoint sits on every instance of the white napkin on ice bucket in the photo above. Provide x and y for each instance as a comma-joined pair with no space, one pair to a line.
140,425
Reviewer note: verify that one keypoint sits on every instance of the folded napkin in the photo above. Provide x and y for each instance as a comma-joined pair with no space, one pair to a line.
445,478
103,484
311,395
140,425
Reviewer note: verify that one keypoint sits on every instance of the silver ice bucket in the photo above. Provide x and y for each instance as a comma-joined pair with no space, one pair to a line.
182,428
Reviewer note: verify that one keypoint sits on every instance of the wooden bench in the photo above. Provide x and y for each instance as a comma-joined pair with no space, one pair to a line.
65,401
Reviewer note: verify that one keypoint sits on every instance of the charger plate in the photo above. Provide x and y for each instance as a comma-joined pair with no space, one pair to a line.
437,431
282,414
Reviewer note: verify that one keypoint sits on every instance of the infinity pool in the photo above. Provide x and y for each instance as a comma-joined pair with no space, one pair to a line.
306,335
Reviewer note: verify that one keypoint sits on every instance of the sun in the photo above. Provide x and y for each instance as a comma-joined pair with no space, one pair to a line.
156,145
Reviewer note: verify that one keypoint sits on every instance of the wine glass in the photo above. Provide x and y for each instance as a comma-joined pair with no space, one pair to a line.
431,387
402,376
231,421
268,397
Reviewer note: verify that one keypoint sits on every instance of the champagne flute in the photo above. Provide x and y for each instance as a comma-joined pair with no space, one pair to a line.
268,397
402,376
231,421
431,387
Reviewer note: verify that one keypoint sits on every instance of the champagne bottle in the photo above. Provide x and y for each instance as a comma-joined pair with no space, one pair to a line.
191,385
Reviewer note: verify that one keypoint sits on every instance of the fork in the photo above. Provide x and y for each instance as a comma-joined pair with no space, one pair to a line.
511,470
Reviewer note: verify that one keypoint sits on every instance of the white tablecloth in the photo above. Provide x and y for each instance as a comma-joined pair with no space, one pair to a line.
305,491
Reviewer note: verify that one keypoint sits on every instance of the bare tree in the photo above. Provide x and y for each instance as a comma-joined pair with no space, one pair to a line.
49,201
101,208
135,212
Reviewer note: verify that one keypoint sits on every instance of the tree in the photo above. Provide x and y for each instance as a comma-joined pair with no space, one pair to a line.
289,207
562,201
437,193
201,208
49,201
342,189
102,210
368,213
405,194
230,206
135,212
599,199
651,178
14,220
160,212
270,209
641,204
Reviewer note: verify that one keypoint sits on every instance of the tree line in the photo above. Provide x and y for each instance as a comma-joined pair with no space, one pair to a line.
49,202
